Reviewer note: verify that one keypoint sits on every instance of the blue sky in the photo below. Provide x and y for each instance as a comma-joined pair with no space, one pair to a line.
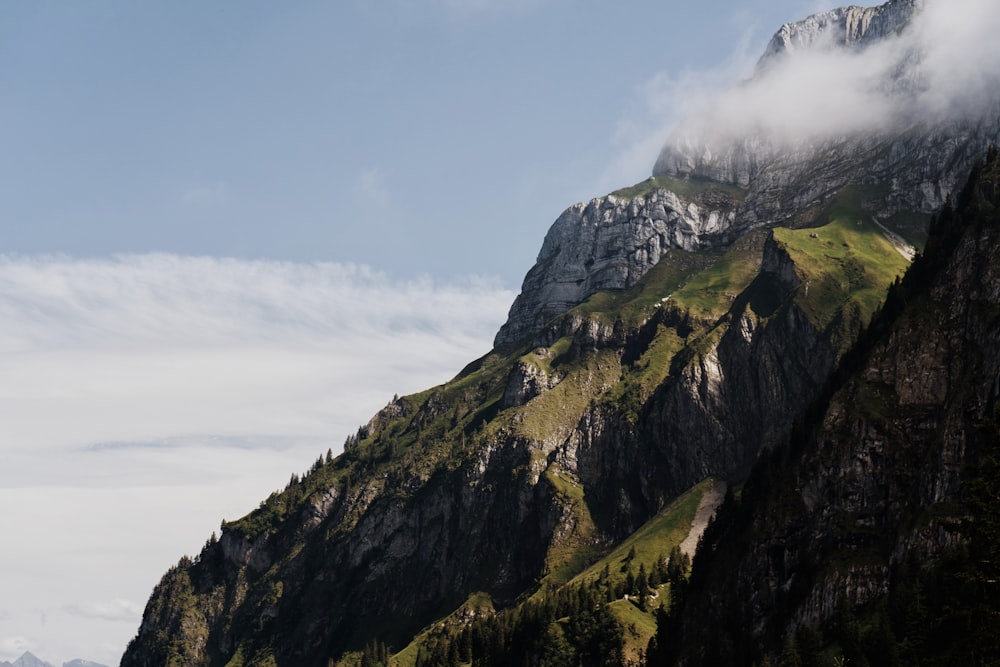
416,136
230,231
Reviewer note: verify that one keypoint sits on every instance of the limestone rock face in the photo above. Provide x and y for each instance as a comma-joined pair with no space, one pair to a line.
914,169
850,27
526,382
609,243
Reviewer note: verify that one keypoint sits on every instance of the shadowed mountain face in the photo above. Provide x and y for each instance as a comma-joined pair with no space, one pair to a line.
667,334
873,534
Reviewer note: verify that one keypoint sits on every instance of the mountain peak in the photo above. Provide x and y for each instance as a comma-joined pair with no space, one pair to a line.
28,659
850,27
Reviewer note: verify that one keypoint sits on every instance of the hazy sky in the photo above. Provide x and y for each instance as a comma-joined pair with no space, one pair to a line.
232,230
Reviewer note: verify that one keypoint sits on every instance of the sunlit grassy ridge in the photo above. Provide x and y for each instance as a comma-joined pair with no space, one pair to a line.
634,305
699,190
710,293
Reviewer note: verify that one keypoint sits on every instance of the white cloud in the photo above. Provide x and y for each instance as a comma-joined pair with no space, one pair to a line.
663,100
962,59
145,398
822,93
142,348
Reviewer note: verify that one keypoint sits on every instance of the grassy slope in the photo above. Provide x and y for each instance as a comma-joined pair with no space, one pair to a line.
845,267
690,189
654,539
709,294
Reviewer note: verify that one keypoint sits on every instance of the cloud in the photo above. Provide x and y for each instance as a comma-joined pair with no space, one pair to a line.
142,348
939,65
147,397
113,610
962,61
946,63
662,101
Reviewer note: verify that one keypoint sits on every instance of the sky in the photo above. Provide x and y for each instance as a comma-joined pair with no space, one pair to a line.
231,231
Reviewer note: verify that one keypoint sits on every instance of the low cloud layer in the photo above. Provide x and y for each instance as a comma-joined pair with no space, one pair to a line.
146,398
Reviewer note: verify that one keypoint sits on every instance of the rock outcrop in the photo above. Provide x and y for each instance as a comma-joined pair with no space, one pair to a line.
850,27
609,244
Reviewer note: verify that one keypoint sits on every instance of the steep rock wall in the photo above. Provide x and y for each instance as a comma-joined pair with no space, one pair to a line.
609,243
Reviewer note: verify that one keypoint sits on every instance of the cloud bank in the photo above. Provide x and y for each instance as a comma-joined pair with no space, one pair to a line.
145,398
145,347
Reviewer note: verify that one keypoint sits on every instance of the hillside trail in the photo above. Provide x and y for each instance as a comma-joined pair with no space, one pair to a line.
707,506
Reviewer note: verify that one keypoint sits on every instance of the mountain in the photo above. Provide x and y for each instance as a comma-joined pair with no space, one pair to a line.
538,508
27,659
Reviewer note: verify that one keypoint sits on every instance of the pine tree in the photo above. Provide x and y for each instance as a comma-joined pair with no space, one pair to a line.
630,587
557,651
642,587
790,652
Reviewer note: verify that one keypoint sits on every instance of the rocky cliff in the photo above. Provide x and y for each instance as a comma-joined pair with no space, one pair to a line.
851,27
610,244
